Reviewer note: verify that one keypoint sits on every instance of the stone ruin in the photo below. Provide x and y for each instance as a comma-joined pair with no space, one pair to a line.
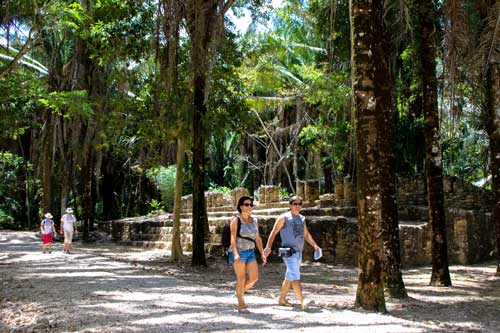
331,219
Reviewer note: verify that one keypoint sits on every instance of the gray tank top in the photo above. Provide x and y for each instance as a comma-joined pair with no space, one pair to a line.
250,230
292,233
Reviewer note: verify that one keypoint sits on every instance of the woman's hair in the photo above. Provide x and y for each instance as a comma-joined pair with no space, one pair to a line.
242,200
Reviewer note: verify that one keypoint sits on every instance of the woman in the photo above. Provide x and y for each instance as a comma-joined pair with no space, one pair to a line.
48,230
242,250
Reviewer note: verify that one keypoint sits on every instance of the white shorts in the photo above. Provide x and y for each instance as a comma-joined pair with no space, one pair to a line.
68,236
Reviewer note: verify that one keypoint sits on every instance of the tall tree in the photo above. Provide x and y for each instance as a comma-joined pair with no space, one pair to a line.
205,27
435,196
487,51
372,120
172,12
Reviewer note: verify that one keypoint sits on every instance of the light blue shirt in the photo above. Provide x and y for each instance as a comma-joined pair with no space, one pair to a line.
292,233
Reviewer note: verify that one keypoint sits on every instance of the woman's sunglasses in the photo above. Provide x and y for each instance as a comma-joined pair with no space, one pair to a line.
247,204
297,204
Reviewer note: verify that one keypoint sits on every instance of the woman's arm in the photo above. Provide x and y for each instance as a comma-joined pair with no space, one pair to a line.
258,242
234,232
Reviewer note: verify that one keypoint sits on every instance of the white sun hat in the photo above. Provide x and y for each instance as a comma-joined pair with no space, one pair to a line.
48,216
69,210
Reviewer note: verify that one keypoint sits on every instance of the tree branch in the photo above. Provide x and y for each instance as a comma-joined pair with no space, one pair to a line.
25,49
227,6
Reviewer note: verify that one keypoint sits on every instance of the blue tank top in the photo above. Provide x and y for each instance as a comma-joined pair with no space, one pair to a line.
292,233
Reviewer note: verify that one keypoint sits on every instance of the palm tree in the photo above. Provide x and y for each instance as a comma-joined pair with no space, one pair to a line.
372,107
440,271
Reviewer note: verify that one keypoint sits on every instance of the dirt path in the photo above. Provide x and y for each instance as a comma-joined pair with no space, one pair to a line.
105,288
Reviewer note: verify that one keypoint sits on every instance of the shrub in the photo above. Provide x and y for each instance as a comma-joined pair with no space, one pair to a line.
6,221
164,180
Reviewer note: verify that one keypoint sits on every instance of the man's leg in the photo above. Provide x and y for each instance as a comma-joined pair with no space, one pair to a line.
298,291
285,288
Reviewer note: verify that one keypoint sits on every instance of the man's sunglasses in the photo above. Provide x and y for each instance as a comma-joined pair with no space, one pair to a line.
297,204
247,205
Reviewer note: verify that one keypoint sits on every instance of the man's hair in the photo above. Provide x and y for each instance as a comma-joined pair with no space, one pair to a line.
294,198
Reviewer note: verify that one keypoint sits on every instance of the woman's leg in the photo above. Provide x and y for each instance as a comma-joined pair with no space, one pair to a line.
239,270
253,274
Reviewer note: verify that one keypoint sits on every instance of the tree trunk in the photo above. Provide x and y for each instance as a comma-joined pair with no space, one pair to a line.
392,276
367,53
177,254
47,164
492,124
435,196
206,26
199,173
326,165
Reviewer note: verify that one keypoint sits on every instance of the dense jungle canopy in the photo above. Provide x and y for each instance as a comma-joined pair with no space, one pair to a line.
117,108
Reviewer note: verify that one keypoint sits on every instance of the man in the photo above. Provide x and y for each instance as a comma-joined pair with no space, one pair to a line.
68,225
293,231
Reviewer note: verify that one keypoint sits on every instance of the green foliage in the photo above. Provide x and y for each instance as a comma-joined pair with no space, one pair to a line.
330,133
18,102
164,180
6,221
156,207
284,195
73,103
466,154
220,189
13,178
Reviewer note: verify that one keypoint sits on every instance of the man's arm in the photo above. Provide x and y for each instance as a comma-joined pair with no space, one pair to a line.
280,221
309,239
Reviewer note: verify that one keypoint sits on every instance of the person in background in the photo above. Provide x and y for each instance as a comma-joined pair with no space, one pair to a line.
48,229
68,226
242,250
293,231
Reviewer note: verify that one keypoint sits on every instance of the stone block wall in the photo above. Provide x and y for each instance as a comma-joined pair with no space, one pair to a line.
269,194
333,223
311,190
237,193
214,199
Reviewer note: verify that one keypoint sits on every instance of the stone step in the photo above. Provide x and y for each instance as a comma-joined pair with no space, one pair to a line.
210,248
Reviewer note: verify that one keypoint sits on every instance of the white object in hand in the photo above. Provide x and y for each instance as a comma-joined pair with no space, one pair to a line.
318,254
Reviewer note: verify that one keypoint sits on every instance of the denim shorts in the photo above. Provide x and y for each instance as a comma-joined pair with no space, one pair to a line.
293,266
246,256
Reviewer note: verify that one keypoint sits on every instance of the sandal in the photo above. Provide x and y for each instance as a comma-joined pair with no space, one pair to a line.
285,303
243,310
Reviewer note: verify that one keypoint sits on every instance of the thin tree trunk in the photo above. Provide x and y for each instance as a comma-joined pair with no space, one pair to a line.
276,149
326,165
176,254
392,276
367,52
435,196
47,164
